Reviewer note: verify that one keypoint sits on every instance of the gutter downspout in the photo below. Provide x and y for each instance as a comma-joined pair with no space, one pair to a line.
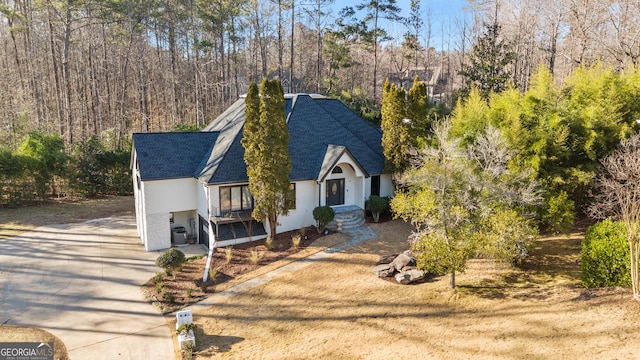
212,236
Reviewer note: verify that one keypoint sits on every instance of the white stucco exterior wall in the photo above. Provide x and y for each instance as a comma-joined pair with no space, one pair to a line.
160,198
386,185
302,215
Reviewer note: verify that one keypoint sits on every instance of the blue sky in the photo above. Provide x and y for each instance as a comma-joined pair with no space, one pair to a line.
446,16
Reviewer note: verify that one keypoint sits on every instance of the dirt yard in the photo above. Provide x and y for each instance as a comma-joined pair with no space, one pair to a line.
337,308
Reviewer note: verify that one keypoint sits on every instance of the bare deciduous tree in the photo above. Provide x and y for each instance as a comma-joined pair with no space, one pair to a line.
617,195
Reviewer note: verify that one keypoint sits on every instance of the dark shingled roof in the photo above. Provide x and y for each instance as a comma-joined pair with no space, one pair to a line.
316,125
312,129
171,155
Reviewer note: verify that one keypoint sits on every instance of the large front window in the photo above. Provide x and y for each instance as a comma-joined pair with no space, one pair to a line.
235,198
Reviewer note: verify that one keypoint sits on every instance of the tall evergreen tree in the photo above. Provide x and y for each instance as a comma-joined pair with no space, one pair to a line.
418,110
396,140
414,24
266,143
489,68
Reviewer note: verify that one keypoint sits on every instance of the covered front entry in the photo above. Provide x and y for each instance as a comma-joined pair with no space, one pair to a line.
335,192
342,179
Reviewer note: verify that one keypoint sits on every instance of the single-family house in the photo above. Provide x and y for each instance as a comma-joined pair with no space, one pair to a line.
194,185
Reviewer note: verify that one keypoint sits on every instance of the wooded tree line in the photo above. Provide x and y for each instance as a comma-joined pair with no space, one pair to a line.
78,68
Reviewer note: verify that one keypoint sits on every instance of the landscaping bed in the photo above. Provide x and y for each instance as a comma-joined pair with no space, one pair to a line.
170,293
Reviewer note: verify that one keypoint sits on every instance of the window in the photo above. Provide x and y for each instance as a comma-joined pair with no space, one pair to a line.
375,185
235,198
336,170
292,198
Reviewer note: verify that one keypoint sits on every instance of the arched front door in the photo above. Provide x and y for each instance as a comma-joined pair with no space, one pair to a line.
335,192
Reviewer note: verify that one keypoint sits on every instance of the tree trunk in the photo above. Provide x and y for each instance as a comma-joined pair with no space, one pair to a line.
144,112
319,62
273,222
66,76
375,57
234,40
56,77
16,54
34,67
291,55
452,280
634,246
280,46
107,81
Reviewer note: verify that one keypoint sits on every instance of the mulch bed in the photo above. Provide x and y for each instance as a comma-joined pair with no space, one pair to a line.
171,293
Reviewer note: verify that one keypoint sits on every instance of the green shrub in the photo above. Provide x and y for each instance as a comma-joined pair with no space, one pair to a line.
186,328
171,260
605,257
377,205
559,214
505,236
323,215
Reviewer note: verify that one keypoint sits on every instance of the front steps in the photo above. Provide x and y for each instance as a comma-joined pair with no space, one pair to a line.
352,217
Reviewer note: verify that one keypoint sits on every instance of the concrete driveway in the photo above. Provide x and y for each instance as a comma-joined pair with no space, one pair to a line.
82,283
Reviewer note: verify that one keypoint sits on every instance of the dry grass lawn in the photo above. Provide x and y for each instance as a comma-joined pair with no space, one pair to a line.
337,308
14,221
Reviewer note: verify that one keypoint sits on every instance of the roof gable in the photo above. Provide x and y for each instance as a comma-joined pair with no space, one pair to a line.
332,157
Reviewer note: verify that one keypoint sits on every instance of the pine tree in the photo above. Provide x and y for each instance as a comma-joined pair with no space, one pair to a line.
266,144
489,68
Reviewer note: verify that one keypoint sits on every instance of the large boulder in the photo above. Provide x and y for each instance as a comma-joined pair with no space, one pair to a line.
387,259
403,260
403,266
407,277
384,270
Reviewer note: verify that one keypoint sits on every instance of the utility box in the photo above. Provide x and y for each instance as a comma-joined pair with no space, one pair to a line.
179,235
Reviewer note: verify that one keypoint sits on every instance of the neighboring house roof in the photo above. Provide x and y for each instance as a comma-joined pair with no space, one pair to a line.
171,155
320,131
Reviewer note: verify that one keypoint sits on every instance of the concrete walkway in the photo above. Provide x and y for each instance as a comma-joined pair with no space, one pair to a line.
82,283
357,236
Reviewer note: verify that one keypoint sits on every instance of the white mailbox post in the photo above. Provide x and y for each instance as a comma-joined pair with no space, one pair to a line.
185,317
